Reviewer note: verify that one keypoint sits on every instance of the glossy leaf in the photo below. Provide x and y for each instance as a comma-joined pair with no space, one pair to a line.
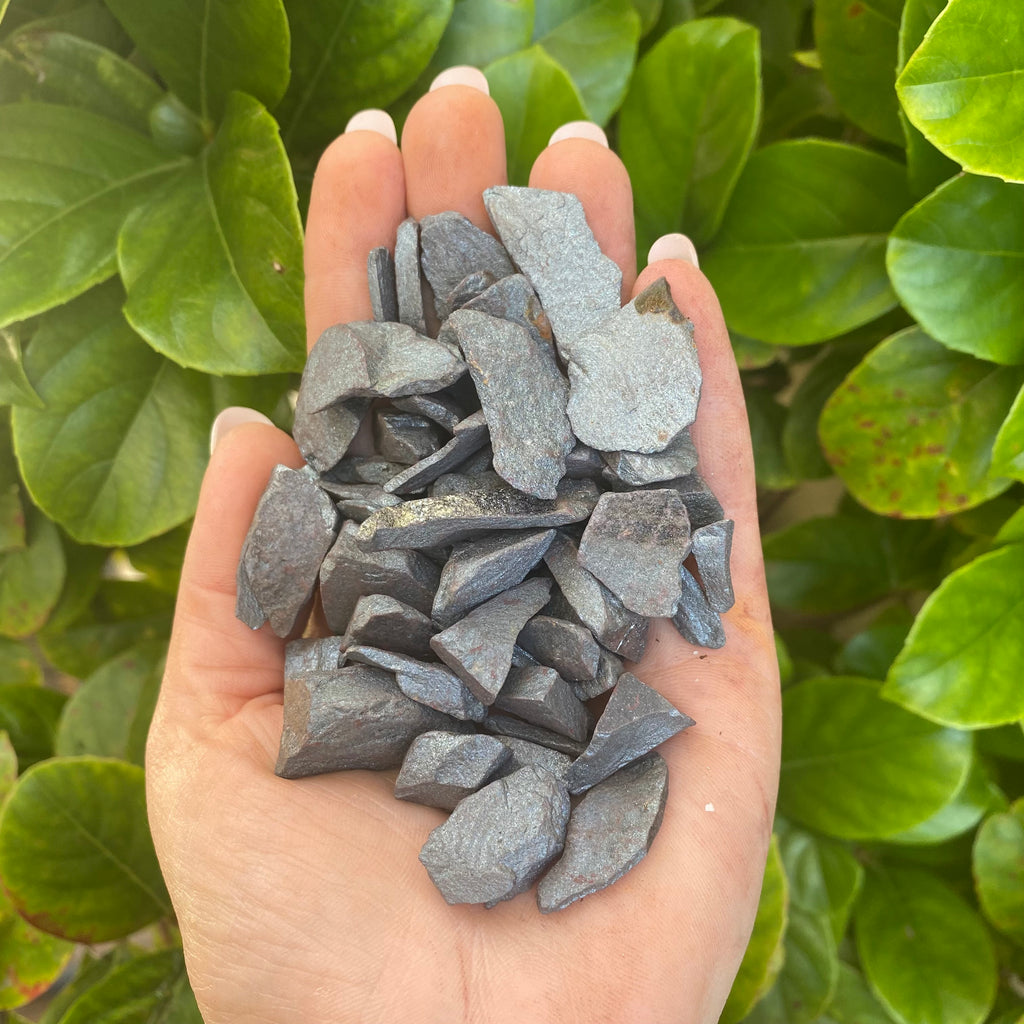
1008,450
15,387
207,49
227,235
853,1002
998,865
91,971
767,419
29,714
687,126
800,254
87,19
926,953
161,558
67,179
956,261
857,767
871,652
481,31
31,578
961,88
18,665
85,564
32,960
961,663
75,850
118,452
8,765
12,508
910,429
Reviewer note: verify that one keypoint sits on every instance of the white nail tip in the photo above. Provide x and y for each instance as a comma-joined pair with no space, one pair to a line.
673,247
579,130
462,74
231,417
378,121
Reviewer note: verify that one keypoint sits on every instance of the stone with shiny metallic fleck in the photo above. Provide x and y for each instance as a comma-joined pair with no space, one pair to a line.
694,618
712,547
380,275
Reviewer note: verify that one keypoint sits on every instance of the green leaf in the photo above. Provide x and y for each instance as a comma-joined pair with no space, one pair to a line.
956,261
961,88
87,19
800,256
161,558
998,866
85,565
910,430
926,954
853,1003
67,179
536,96
109,714
649,11
857,45
12,509
76,855
29,714
346,57
15,388
857,767
118,453
8,765
767,418
484,30
1008,450
871,652
207,49
227,235
762,960
961,662
31,578
688,124
91,970
1012,530
32,960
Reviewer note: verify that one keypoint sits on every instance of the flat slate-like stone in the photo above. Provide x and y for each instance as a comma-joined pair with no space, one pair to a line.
635,543
407,275
583,461
382,621
635,469
324,436
567,647
702,506
359,469
524,753
361,506
444,411
496,842
635,720
380,275
426,522
350,572
469,288
469,436
523,395
539,695
465,483
634,378
477,570
514,299
614,626
404,437
294,526
353,717
516,728
547,235
442,768
478,648
610,831
697,622
313,654
712,548
609,668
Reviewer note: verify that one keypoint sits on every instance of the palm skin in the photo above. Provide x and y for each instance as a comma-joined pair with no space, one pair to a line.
304,901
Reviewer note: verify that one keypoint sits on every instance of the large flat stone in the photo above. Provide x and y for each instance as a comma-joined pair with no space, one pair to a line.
442,768
313,654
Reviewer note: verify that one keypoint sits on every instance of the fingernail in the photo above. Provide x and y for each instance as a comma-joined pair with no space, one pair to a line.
462,74
231,417
673,247
373,120
579,130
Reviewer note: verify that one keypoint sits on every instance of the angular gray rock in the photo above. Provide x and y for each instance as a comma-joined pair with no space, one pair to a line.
609,668
359,506
353,717
524,753
583,461
469,436
314,654
445,412
442,768
702,506
469,288
635,469
634,378
567,647
497,841
382,621
350,572
407,275
513,299
380,274
523,395
697,622
614,626
324,436
464,483
294,526
478,648
540,696
404,437
358,469
712,548
610,831
635,720
635,543
516,728
477,570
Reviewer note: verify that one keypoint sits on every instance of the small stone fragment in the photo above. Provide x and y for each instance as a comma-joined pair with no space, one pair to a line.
609,833
477,570
635,543
635,469
634,378
524,752
523,395
498,840
315,654
462,483
357,501
407,275
404,437
609,668
522,658
583,461
614,626
702,506
380,273
540,696
442,410
469,288
478,648
441,768
292,529
350,572
513,298
506,725
357,469
567,647
323,436
382,621
469,436
697,622
712,547
353,717
634,722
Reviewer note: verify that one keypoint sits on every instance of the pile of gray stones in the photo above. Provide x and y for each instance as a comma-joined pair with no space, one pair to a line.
531,501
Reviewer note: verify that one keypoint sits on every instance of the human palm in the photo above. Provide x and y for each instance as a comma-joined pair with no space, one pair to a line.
303,900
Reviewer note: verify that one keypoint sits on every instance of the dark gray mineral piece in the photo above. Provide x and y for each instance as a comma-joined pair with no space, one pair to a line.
524,752
610,832
697,622
359,469
609,668
448,484
407,275
497,842
353,717
583,461
634,469
293,528
441,768
513,299
404,437
323,436
634,722
516,728
445,412
469,288
634,378
382,621
635,543
567,647
380,274
712,546
702,506
362,500
315,654
539,695
470,435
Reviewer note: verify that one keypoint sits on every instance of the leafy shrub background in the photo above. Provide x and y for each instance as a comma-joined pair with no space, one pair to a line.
154,160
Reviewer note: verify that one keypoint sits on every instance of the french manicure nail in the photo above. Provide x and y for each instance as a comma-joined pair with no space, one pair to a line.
673,247
462,74
231,417
373,120
579,130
